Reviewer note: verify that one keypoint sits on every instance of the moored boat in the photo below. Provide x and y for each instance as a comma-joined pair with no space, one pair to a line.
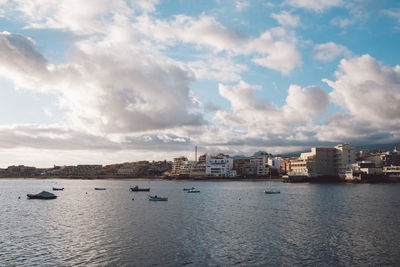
137,189
193,191
156,198
58,189
187,189
272,192
42,195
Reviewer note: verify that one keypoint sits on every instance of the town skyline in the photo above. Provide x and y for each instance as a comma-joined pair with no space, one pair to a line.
125,80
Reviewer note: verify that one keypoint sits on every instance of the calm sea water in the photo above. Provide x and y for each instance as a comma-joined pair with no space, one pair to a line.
228,223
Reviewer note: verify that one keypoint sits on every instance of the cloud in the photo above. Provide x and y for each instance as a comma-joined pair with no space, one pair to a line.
108,90
279,45
369,90
217,68
19,56
315,5
80,17
311,100
260,116
394,13
274,48
286,19
330,51
240,5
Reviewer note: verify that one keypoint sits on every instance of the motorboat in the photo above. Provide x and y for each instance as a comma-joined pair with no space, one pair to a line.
58,189
272,192
137,189
99,188
156,198
187,189
193,191
42,195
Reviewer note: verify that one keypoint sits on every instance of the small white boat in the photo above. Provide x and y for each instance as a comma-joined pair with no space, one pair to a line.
193,191
156,198
99,188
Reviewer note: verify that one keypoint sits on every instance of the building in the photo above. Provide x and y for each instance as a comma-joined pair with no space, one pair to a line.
21,171
345,156
363,171
198,169
176,166
323,161
241,166
220,166
392,173
259,164
391,158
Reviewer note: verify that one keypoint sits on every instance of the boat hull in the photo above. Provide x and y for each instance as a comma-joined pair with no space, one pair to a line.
272,192
31,196
140,189
151,198
58,189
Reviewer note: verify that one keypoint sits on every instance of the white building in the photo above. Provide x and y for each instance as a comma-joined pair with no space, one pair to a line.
219,166
345,156
275,162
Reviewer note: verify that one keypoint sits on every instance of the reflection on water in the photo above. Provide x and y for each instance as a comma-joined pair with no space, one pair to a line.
227,223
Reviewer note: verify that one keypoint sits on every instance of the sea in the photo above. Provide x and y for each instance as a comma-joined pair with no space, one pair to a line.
226,224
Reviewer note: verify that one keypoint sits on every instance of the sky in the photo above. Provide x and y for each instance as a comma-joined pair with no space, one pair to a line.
96,81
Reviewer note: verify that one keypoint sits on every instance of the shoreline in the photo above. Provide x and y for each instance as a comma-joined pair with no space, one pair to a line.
205,179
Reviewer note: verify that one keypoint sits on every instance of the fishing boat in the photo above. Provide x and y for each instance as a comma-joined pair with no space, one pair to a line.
58,189
187,189
42,195
99,188
137,189
156,198
193,191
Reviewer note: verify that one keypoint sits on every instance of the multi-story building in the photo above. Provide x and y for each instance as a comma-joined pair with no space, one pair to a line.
21,171
323,161
220,166
260,165
198,169
176,166
345,156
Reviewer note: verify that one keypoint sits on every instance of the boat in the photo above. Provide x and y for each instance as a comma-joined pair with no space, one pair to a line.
269,189
58,189
187,189
193,191
156,198
42,195
272,192
99,188
137,189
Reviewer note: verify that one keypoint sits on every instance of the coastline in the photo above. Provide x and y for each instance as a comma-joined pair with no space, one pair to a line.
202,179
